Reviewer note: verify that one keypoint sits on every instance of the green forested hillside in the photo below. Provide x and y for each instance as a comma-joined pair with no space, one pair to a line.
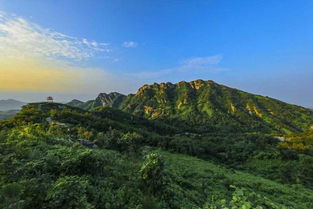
58,156
205,106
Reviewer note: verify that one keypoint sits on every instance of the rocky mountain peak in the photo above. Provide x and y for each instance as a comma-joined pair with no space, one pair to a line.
109,99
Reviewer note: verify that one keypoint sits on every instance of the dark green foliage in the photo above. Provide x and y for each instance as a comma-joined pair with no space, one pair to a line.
242,198
42,169
152,172
10,196
69,192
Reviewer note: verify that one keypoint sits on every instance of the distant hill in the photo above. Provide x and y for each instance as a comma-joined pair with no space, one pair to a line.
75,103
10,104
7,114
112,99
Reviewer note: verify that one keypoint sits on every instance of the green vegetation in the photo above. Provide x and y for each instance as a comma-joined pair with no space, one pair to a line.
59,156
41,168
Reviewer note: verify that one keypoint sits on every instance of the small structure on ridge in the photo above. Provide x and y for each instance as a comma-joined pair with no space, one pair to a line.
50,99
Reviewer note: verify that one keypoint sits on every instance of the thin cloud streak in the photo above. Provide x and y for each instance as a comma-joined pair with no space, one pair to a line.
209,64
130,44
203,61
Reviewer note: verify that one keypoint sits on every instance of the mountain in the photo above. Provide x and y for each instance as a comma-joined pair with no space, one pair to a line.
109,100
112,99
10,104
75,103
206,105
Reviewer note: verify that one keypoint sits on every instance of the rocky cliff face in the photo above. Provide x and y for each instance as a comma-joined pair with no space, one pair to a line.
109,100
103,100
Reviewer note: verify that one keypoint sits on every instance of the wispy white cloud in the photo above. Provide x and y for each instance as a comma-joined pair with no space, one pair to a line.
38,59
201,62
130,44
204,64
151,74
21,37
209,64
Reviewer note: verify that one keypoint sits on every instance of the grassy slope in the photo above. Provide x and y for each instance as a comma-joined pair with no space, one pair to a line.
194,172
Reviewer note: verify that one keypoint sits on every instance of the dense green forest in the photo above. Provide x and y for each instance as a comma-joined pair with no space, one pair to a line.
59,156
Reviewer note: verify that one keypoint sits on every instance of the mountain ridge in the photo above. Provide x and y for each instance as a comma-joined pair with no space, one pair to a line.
203,106
10,104
112,99
207,103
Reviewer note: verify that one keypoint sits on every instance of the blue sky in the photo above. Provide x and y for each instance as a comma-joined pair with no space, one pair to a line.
261,46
